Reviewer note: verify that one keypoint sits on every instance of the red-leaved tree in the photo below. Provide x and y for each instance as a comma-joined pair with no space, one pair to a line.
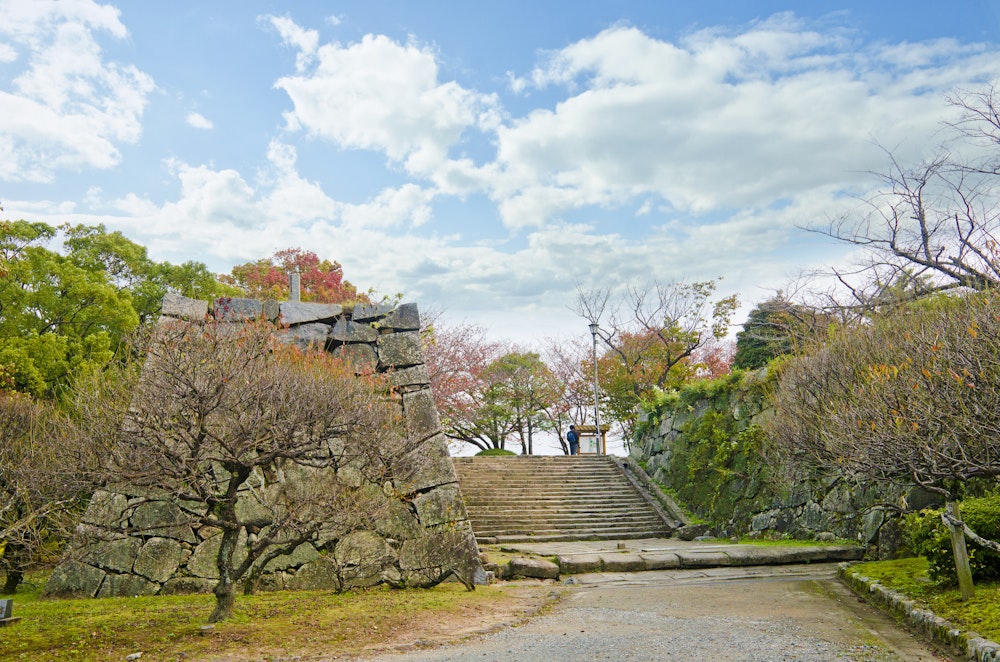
321,281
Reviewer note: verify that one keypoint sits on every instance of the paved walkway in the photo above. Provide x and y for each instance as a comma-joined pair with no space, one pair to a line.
747,614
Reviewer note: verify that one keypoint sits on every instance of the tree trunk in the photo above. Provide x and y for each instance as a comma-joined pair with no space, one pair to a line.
13,580
961,553
225,590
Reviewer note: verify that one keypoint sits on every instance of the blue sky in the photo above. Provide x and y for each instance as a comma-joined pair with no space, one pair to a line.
482,158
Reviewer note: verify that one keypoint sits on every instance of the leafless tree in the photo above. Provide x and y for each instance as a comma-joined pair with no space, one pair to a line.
910,397
221,413
44,480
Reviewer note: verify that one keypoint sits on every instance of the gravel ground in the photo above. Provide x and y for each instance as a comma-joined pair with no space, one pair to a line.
687,615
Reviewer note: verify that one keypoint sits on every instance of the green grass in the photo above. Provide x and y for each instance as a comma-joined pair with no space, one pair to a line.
909,576
264,626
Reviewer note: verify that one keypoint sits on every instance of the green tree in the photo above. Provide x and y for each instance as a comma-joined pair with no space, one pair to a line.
62,311
774,328
520,392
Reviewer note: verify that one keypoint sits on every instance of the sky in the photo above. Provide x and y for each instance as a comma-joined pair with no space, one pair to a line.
483,159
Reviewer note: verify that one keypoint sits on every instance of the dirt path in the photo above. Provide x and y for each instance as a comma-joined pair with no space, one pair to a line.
783,613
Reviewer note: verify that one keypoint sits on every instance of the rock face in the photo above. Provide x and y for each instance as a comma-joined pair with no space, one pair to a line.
136,543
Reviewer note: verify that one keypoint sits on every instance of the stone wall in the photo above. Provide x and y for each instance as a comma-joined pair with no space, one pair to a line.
709,450
136,543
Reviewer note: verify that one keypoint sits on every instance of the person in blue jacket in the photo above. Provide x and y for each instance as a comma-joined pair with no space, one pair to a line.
573,438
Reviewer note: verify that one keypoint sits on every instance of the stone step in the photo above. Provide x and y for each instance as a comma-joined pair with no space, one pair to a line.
549,499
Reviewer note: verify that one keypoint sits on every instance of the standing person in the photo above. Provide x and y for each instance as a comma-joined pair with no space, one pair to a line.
573,438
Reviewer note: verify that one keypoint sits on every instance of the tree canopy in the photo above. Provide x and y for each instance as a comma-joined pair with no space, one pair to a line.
321,281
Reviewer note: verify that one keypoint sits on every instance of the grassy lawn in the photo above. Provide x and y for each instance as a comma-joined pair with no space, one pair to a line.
268,625
909,576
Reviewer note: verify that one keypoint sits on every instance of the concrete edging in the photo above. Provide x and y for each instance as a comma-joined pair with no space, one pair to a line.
966,642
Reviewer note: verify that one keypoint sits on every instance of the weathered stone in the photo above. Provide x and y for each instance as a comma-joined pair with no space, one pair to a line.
72,579
116,555
370,312
176,306
420,415
158,559
182,585
271,310
450,549
235,309
579,563
404,317
305,336
251,512
164,519
400,350
297,312
348,331
362,557
691,531
660,560
362,356
532,567
442,505
413,376
870,525
126,585
424,467
627,562
397,521
319,574
204,560
106,509
301,555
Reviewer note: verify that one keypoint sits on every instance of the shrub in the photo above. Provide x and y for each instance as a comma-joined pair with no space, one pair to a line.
928,537
495,451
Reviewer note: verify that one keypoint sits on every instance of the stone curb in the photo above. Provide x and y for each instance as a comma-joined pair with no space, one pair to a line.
543,567
967,642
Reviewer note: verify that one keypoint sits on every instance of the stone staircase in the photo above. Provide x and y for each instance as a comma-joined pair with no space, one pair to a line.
554,498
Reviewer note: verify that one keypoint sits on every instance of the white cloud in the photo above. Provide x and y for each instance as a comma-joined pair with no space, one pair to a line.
305,41
199,121
68,107
384,96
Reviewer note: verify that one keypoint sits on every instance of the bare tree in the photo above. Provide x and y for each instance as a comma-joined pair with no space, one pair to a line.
910,398
650,334
44,479
221,414
931,227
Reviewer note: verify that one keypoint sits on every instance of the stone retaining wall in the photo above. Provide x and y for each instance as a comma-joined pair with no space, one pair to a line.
926,622
137,543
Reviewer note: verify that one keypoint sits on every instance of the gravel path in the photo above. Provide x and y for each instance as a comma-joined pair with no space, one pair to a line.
780,614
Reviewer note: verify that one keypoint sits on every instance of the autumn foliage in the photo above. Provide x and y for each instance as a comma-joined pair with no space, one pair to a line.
321,281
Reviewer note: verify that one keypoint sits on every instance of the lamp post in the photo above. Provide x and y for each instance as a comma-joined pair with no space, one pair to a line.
597,419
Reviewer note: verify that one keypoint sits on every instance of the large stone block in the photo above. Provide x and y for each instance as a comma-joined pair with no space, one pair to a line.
443,551
426,466
319,574
235,309
535,568
413,376
350,332
404,317
204,562
72,579
297,312
420,414
305,336
106,510
126,585
400,350
182,585
162,519
370,312
176,306
362,356
158,559
299,556
442,505
115,555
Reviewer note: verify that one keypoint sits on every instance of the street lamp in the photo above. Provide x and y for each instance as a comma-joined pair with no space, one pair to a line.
597,419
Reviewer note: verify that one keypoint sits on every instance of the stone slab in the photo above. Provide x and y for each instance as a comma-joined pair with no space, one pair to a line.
579,563
179,307
660,560
534,568
296,312
623,562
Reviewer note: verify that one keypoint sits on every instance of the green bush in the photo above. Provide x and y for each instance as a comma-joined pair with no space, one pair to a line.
928,537
495,451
